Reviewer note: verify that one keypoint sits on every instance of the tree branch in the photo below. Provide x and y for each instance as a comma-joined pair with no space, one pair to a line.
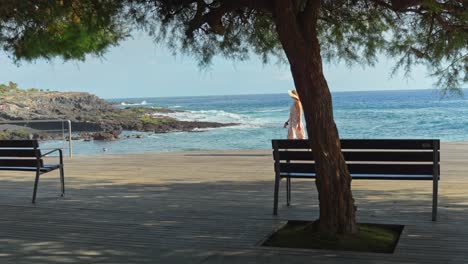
418,7
400,5
214,16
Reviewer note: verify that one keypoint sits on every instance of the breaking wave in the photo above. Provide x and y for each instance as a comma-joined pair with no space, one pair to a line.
219,116
132,104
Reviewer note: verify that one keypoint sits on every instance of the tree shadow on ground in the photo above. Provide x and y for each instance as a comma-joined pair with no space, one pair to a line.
208,222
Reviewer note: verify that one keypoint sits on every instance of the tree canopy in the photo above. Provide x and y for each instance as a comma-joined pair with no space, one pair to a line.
429,32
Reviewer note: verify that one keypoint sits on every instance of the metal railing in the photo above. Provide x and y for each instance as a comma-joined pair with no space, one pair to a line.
63,130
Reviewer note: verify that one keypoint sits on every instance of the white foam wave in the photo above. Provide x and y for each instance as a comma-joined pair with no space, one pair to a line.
273,110
127,103
219,116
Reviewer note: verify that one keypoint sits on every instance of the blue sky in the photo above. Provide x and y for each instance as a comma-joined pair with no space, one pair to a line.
139,68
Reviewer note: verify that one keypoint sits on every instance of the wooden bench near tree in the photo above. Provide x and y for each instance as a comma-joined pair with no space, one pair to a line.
25,155
368,159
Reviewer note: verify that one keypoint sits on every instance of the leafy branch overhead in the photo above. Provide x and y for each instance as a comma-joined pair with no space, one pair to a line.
70,29
430,32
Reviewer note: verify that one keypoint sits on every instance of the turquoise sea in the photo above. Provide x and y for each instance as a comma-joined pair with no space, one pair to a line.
374,114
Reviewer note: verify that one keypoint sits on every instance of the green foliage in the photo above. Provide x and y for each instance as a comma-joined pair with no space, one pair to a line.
154,121
434,34
139,110
354,34
130,113
70,29
14,134
10,88
436,37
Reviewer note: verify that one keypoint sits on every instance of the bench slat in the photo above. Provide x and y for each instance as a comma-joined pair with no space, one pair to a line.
362,176
20,152
409,169
45,168
364,156
19,144
362,144
19,162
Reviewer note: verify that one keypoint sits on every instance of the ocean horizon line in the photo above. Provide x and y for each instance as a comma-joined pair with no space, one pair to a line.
256,94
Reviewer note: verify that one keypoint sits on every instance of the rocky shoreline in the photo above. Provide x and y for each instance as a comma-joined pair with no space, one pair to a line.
94,117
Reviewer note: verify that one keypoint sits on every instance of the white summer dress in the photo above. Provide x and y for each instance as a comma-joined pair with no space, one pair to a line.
296,128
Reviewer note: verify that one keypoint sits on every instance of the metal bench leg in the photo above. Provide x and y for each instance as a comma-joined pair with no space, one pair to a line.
275,195
435,190
288,191
62,180
36,182
435,178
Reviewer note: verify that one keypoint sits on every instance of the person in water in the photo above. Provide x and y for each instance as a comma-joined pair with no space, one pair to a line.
294,123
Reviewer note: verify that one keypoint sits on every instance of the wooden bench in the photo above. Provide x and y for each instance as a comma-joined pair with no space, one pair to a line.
25,155
368,159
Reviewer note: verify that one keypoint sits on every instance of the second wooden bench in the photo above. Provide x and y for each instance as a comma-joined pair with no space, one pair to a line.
369,159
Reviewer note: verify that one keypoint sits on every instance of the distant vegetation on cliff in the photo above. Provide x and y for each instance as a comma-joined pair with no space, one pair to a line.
12,88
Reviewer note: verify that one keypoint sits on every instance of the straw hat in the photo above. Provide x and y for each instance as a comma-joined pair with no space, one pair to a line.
293,94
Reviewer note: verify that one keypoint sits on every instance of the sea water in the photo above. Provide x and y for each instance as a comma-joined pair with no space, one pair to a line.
359,115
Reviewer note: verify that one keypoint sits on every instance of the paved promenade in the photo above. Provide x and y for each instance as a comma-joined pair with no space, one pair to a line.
213,207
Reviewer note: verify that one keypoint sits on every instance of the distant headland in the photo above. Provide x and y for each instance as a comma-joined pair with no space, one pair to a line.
94,117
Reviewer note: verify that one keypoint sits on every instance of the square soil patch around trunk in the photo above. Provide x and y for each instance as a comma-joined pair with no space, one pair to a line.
377,238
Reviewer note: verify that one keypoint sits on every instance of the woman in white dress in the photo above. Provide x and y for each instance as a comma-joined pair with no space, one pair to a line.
294,123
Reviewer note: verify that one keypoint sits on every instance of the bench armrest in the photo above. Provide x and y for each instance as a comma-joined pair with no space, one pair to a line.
52,151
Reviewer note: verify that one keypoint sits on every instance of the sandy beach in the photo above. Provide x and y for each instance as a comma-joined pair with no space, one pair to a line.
212,207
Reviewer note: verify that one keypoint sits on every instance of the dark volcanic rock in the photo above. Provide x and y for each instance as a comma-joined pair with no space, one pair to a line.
186,126
44,136
153,109
105,136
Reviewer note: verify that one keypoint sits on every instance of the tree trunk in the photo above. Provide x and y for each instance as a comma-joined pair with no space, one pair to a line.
298,36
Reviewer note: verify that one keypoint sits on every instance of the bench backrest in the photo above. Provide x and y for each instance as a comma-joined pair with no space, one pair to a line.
20,153
405,158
